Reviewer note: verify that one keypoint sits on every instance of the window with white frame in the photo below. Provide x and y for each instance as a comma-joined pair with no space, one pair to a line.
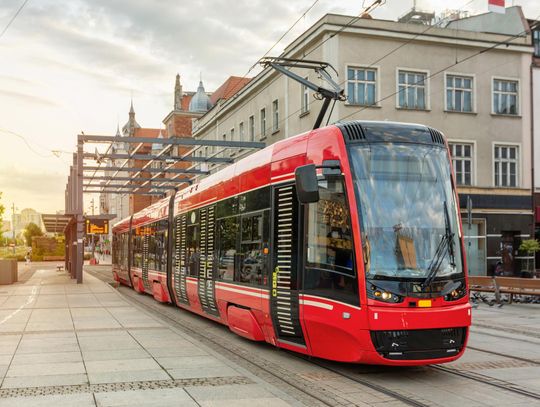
241,131
251,128
263,122
361,86
304,105
506,161
505,96
275,115
412,87
462,161
459,93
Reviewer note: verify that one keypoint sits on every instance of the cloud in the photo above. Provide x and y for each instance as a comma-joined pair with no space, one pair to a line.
28,98
41,190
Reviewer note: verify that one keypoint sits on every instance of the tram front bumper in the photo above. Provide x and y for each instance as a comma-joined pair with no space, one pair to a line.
413,336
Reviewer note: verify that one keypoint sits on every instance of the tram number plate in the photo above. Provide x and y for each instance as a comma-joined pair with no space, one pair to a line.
424,303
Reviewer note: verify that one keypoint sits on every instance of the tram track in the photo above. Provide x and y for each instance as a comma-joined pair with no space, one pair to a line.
477,377
504,355
310,392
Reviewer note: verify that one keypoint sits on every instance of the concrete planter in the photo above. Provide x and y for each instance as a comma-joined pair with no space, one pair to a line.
8,271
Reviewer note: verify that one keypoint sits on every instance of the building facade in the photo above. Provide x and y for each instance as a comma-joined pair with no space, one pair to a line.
458,81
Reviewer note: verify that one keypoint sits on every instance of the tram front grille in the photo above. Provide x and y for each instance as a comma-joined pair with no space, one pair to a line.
419,343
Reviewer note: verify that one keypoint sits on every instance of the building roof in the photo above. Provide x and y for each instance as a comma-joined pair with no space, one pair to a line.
186,99
511,23
229,88
200,102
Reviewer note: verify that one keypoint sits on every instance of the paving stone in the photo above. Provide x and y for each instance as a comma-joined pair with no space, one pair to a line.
45,369
102,366
79,400
93,318
161,397
50,320
127,376
44,380
214,371
233,392
50,357
260,402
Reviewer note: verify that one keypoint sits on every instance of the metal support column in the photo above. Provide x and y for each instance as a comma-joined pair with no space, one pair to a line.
79,212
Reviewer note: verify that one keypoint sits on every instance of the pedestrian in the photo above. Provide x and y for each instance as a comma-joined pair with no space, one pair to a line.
499,270
27,257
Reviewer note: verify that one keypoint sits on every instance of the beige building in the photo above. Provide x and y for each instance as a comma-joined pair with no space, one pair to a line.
408,72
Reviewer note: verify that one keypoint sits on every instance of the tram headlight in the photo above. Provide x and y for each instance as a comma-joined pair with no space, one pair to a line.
383,295
456,293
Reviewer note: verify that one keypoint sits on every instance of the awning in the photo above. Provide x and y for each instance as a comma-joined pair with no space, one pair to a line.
55,223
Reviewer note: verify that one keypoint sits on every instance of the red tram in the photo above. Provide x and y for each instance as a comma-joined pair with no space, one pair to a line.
344,243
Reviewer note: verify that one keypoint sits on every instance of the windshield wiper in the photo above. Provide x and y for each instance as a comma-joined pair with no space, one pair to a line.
446,244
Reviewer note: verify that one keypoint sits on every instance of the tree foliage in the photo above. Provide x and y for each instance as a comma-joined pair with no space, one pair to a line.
530,246
30,231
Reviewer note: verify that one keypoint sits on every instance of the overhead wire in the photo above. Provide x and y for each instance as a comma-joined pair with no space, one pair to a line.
375,4
13,18
25,140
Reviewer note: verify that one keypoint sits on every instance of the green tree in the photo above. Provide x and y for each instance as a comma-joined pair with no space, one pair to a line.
530,246
30,231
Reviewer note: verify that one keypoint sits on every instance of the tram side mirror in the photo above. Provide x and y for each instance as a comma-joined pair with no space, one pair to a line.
307,185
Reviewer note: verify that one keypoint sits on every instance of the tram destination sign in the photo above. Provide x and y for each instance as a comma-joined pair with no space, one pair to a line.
97,226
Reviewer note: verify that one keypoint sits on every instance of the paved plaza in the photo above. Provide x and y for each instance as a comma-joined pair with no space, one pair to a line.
68,344
92,345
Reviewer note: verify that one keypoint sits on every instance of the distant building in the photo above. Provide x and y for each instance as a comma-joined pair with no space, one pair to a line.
178,123
22,219
407,72
6,227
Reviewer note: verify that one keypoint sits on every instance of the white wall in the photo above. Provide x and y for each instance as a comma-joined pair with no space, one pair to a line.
536,115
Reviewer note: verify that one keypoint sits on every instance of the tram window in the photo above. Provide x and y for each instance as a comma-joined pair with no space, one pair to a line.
252,261
151,259
115,247
193,252
227,235
163,233
227,207
256,200
125,249
329,235
137,250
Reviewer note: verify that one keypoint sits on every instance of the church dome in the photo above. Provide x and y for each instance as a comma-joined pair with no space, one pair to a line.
200,102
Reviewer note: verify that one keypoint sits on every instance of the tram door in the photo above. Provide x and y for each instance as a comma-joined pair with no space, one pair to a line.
146,239
207,267
180,263
285,277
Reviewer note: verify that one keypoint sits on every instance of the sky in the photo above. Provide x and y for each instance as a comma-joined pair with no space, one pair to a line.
67,67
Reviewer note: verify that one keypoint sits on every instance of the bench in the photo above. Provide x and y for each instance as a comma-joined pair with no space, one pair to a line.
518,286
483,284
510,286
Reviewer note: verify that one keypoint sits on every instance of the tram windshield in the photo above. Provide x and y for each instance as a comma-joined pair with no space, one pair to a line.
408,211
